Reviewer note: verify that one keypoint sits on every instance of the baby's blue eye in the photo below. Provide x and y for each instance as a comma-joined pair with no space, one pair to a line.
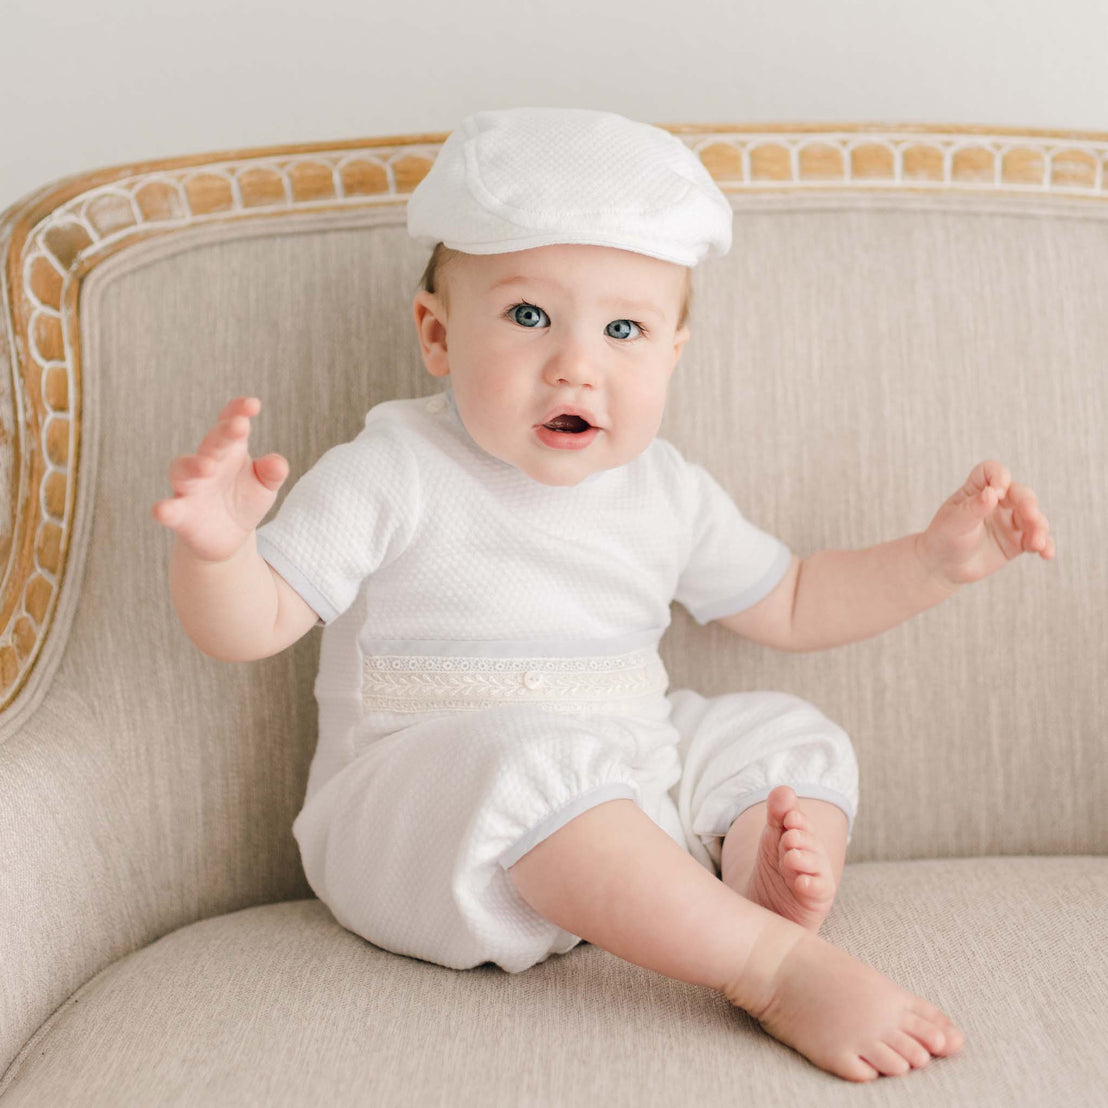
620,323
529,314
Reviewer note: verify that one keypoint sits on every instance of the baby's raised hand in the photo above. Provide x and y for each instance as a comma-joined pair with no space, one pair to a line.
219,494
989,521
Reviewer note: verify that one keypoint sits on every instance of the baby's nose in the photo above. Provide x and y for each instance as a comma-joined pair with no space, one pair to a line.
572,364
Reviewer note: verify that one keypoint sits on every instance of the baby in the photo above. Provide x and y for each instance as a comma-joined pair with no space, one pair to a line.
500,772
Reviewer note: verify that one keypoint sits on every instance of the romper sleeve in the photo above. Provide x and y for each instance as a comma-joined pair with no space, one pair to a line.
354,511
731,564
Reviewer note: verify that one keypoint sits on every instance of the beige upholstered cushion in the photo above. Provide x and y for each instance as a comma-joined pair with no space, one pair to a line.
279,1007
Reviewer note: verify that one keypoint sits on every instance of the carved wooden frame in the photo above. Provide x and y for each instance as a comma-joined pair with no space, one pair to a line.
51,239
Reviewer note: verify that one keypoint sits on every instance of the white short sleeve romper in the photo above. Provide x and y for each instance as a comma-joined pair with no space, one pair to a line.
489,670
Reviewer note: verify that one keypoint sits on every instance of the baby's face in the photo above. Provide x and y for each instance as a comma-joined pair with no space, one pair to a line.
534,332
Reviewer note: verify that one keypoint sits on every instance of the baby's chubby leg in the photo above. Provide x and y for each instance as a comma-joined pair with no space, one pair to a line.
615,878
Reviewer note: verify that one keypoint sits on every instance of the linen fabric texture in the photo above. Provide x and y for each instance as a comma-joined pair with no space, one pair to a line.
519,178
489,670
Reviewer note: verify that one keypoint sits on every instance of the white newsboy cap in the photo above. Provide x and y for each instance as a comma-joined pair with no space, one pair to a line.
523,177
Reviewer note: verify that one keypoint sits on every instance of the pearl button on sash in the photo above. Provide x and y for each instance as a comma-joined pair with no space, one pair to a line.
532,679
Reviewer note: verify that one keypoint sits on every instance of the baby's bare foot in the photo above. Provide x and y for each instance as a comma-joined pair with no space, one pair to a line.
792,873
843,1015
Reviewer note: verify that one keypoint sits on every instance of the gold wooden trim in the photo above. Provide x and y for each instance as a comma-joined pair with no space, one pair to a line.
53,238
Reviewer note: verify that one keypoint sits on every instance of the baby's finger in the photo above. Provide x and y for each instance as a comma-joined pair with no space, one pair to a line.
989,474
271,470
186,470
224,435
1025,518
241,405
1035,538
170,513
1021,499
998,477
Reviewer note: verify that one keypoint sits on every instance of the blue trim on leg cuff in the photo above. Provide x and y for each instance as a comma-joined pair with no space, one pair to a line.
802,789
613,790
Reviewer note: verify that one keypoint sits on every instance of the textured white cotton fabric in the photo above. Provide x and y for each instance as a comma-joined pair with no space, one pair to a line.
409,844
489,670
525,177
465,547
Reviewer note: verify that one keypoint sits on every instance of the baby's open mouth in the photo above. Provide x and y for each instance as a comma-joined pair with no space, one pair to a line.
569,424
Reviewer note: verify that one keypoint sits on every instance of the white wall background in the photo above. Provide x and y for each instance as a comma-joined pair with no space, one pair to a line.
85,85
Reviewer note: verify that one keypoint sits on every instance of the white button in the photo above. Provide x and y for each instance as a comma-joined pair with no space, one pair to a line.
436,404
532,679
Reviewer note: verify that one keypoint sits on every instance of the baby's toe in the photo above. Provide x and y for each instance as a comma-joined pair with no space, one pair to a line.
801,840
813,886
780,804
927,1031
955,1040
914,1051
855,1069
802,861
794,818
929,1012
885,1060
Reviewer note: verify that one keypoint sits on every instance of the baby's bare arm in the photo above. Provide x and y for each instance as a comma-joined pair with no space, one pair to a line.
842,596
237,610
229,600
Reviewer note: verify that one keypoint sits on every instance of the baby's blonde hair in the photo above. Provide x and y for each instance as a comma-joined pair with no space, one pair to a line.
442,256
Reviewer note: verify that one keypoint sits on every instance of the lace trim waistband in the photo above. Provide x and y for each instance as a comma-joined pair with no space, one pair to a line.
421,683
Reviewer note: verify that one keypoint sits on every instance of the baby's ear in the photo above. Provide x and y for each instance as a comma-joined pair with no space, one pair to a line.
679,341
430,321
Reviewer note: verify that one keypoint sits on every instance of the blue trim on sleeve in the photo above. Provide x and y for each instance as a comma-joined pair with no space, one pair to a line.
312,596
748,597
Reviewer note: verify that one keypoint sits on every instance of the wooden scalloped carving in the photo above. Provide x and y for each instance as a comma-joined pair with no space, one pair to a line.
53,238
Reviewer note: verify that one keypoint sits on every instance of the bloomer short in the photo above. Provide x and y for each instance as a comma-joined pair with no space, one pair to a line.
461,766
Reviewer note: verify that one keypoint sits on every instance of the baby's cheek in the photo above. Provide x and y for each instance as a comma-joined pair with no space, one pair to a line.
628,442
490,438
645,419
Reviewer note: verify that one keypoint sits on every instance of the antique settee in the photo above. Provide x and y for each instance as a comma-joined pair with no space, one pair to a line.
900,303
